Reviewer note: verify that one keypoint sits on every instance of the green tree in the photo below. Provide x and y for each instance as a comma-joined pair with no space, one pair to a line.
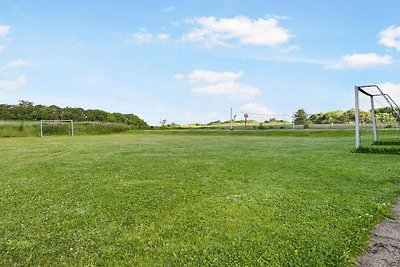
26,110
163,122
300,117
348,116
316,118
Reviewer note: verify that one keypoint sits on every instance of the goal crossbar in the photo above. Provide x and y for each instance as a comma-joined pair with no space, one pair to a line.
56,121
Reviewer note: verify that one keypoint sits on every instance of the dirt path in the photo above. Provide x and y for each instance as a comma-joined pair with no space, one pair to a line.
384,246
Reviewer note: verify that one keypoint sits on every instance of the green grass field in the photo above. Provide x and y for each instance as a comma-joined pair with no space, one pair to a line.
191,198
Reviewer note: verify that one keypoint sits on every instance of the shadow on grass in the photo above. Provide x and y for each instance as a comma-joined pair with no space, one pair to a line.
376,149
387,143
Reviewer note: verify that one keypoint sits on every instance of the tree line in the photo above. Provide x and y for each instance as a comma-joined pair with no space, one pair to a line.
383,115
26,110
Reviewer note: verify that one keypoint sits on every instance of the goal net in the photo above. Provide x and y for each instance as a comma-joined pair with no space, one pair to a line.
377,117
57,127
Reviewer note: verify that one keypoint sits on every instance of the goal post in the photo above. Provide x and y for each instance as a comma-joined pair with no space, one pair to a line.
357,116
373,92
71,122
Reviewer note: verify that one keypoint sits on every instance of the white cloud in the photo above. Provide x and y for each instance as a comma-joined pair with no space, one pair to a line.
20,81
262,31
207,76
274,16
390,37
15,64
221,83
257,108
291,48
391,89
228,88
142,36
360,61
169,9
4,30
179,76
163,37
1,47
285,58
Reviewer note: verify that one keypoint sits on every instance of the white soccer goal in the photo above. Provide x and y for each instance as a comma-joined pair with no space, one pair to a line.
71,128
374,93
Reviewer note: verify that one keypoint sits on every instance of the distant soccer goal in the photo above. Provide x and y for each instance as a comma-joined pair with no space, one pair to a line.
57,123
377,112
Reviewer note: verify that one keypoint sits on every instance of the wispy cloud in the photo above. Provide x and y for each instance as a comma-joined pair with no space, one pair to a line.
228,88
240,29
15,64
179,76
275,16
168,9
282,58
257,108
360,61
20,81
163,37
390,37
4,30
221,84
391,89
142,36
208,76
290,48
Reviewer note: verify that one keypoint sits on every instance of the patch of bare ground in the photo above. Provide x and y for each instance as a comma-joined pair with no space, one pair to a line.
384,246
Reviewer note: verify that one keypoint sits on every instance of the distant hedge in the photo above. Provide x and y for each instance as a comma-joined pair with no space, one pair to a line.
28,111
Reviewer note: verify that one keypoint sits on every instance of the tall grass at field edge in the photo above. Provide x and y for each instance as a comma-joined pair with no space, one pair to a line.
26,129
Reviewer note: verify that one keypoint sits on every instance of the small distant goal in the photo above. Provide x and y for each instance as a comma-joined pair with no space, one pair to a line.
70,122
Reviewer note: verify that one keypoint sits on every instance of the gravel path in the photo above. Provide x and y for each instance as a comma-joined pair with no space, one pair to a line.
384,246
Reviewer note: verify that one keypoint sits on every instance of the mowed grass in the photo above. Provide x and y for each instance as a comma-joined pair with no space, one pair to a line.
190,199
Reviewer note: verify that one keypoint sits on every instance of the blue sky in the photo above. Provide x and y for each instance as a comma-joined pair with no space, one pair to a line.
190,61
